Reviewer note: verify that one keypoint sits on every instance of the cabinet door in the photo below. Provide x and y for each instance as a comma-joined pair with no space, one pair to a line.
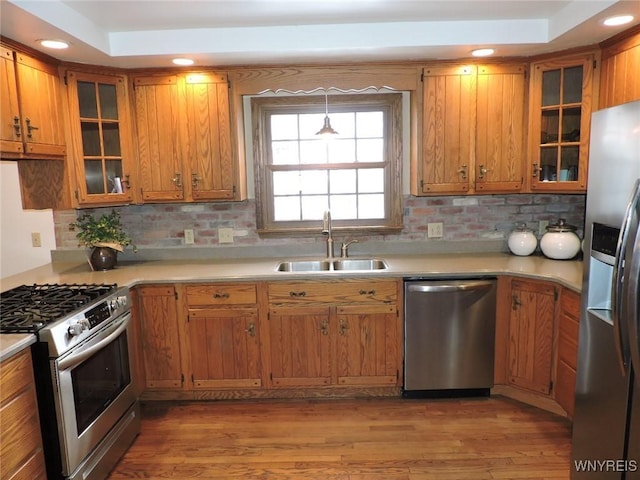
40,107
531,335
160,336
368,345
160,125
225,348
101,132
561,103
567,355
209,137
300,346
449,121
10,128
500,128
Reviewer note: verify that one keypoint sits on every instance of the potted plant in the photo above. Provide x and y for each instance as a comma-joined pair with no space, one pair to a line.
105,236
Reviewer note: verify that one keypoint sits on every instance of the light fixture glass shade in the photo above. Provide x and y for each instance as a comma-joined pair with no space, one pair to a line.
327,129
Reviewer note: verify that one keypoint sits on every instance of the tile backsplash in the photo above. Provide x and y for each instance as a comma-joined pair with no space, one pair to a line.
482,222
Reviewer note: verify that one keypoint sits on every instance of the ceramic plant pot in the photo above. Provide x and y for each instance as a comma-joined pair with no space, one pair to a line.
103,258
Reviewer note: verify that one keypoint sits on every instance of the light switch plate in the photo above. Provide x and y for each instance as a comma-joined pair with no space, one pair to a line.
225,235
188,236
36,239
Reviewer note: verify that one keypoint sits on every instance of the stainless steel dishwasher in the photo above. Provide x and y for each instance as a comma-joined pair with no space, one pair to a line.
449,336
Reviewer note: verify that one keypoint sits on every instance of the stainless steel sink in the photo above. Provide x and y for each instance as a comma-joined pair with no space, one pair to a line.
349,264
304,266
359,264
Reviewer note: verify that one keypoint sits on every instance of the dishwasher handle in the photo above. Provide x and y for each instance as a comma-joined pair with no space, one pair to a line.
449,286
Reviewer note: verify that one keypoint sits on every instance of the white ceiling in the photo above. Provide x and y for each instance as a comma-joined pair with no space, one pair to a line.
148,33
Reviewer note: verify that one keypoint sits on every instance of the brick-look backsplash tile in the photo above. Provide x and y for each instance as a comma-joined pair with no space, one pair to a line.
466,218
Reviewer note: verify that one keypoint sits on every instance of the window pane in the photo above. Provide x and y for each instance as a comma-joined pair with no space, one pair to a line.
550,123
286,183
314,182
371,206
90,139
310,124
93,176
370,150
108,101
571,124
114,176
551,87
313,151
343,123
370,124
342,151
286,209
285,153
87,100
284,127
313,208
344,207
572,88
111,134
548,164
343,181
371,180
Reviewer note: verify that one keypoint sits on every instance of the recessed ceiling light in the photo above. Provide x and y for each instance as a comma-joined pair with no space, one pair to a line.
618,20
184,62
56,44
483,52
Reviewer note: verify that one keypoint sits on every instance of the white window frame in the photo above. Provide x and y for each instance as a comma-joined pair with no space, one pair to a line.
261,110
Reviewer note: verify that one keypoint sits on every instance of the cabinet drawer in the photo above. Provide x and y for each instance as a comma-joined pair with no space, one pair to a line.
336,292
221,294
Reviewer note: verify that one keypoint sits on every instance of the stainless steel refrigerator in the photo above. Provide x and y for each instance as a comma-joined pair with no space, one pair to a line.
606,428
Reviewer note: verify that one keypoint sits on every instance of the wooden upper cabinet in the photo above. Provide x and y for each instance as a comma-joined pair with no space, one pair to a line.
448,134
159,125
500,128
208,145
619,74
184,137
102,146
561,101
32,122
473,129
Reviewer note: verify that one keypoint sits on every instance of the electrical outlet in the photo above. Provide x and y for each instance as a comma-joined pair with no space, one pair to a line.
542,227
36,239
188,237
225,235
434,230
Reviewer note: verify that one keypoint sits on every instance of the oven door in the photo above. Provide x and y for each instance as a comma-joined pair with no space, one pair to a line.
95,389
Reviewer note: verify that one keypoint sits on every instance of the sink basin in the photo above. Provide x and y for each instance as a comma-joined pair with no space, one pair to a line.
347,264
359,264
304,266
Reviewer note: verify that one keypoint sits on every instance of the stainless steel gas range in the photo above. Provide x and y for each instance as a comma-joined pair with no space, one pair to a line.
82,363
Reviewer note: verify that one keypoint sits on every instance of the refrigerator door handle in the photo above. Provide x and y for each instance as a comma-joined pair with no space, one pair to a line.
632,274
618,277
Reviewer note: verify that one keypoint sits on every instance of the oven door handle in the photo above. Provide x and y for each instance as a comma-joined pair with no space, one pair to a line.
79,357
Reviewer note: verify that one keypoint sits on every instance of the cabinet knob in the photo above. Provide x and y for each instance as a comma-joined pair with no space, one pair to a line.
463,172
30,127
298,294
482,171
536,170
515,302
367,292
251,329
220,295
324,327
194,180
344,326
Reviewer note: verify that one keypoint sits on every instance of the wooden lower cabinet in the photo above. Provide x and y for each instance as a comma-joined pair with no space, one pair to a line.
567,351
21,455
531,332
347,332
158,316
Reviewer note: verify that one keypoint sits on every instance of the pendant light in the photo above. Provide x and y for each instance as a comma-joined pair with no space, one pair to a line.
326,130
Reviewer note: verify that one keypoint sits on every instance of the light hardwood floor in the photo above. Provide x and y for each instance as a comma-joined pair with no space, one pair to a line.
377,439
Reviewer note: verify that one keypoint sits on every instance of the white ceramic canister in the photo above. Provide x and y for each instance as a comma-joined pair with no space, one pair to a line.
522,241
560,242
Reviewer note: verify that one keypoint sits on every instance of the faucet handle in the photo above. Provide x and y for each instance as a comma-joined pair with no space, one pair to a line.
345,248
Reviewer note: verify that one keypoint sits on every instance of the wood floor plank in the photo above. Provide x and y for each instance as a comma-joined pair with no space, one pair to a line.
372,439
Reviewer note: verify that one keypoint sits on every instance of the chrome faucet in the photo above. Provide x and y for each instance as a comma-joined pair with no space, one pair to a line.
326,230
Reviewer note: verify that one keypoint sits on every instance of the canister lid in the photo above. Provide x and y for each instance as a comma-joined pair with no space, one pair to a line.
522,227
561,226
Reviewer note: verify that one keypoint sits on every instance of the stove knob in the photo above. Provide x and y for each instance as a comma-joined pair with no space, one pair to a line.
77,328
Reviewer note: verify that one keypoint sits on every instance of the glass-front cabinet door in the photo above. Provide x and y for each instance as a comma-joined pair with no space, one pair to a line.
561,103
101,132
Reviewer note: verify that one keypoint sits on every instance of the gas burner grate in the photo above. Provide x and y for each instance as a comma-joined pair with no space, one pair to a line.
28,308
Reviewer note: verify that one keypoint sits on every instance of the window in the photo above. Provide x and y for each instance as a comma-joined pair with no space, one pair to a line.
300,175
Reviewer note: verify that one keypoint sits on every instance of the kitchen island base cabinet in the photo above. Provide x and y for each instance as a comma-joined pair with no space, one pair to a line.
21,455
